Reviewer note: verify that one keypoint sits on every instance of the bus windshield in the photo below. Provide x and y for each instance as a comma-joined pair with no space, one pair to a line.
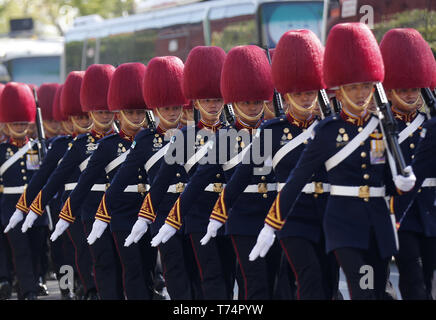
275,18
35,70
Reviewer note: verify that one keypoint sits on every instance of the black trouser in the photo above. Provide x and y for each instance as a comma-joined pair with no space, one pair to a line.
216,265
365,270
138,262
5,263
22,259
311,267
416,263
258,275
285,288
38,236
177,263
107,266
82,255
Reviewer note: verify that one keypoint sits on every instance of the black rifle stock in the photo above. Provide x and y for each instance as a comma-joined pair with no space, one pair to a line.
429,100
324,103
336,105
41,143
149,116
389,127
277,100
229,113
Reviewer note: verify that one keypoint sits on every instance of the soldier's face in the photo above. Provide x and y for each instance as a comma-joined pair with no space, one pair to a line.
136,116
84,121
188,115
250,108
213,106
52,126
358,93
304,100
68,126
171,114
18,129
409,96
103,117
270,113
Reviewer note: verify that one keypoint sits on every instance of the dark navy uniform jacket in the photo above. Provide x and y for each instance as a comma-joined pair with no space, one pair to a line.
348,220
95,175
121,208
18,175
305,220
67,171
56,149
420,217
189,142
424,168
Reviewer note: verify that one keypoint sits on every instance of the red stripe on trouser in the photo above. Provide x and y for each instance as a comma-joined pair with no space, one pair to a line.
76,262
197,261
240,264
122,264
292,267
346,279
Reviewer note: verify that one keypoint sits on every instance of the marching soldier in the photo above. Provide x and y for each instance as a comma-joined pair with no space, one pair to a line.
357,225
125,97
19,160
408,58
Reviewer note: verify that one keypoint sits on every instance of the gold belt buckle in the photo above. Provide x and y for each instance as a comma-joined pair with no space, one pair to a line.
2,188
108,185
364,192
142,188
262,188
217,187
180,187
319,188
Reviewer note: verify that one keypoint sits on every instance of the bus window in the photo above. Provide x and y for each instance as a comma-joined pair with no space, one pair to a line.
35,70
275,18
231,32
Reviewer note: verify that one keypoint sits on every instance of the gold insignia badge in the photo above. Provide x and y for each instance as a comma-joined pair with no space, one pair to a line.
286,130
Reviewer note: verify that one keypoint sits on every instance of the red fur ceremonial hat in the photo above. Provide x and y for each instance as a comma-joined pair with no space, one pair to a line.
95,86
352,55
433,83
298,62
125,89
202,73
46,95
17,103
408,59
246,75
189,105
58,115
70,96
163,82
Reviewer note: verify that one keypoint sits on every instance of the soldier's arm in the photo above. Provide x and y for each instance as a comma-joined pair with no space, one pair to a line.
56,150
94,170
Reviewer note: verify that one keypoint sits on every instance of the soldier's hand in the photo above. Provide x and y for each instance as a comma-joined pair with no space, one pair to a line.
61,226
405,183
29,221
16,217
164,234
98,228
212,229
265,240
139,229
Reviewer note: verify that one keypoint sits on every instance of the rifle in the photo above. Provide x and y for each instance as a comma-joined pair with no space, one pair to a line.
429,100
41,143
229,113
150,119
324,103
336,105
196,116
389,126
277,100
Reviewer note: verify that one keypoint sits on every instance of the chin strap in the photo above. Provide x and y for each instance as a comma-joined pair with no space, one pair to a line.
404,103
17,134
351,103
66,129
299,107
102,125
166,123
79,128
247,117
130,123
208,114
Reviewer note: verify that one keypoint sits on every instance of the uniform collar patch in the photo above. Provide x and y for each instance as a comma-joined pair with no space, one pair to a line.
357,121
303,124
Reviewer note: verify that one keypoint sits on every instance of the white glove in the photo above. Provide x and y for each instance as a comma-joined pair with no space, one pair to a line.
29,221
98,228
405,183
16,217
265,240
139,229
61,226
164,234
212,229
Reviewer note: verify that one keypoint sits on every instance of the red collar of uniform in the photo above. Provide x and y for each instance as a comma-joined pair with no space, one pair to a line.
213,127
241,125
356,120
406,117
126,136
18,143
98,135
303,124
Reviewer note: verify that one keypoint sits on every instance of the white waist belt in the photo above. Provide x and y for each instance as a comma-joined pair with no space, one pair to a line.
215,187
429,182
261,188
13,190
135,188
176,188
313,187
361,192
95,187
